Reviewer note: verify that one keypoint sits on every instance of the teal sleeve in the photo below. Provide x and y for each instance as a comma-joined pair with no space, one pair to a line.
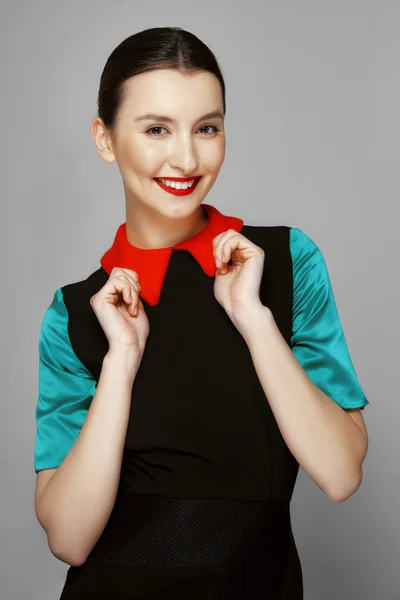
66,389
318,341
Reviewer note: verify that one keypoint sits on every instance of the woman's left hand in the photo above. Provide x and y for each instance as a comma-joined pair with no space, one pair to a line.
237,286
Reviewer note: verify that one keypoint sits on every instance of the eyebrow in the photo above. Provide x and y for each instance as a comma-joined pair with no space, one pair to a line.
216,114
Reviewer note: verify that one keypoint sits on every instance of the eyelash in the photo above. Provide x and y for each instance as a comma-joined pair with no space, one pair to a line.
216,130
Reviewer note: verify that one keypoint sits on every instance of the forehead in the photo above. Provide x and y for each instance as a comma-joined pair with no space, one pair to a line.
171,92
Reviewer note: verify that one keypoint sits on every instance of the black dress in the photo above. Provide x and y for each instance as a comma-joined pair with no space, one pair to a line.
203,506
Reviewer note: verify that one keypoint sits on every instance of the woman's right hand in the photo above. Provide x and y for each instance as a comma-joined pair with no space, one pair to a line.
114,306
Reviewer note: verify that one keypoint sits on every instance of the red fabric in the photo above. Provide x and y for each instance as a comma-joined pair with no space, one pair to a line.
151,263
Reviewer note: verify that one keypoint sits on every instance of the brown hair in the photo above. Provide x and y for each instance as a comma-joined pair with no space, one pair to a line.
155,48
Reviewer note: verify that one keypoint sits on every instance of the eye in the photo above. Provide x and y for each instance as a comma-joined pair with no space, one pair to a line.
154,134
214,127
151,130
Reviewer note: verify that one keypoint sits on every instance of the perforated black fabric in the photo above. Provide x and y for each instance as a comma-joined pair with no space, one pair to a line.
157,531
244,544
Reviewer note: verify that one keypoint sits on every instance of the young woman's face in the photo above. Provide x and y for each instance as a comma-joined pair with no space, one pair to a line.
188,145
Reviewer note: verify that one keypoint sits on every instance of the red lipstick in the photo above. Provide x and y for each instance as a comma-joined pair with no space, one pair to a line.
181,192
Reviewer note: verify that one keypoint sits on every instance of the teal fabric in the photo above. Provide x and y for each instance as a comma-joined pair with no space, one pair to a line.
318,341
66,387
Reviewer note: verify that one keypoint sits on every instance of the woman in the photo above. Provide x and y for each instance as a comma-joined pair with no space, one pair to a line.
182,383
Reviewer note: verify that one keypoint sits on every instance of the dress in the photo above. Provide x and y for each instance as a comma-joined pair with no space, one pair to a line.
203,505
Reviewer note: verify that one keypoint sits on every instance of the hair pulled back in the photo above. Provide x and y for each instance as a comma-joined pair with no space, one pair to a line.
155,48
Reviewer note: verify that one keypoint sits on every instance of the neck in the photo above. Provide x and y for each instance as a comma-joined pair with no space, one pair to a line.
147,229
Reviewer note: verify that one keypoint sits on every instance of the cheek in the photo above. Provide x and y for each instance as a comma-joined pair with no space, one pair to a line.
144,159
214,156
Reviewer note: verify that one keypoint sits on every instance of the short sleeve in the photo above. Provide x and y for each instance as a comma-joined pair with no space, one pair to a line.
318,340
66,389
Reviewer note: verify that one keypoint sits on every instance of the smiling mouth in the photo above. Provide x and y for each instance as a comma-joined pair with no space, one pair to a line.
179,190
178,179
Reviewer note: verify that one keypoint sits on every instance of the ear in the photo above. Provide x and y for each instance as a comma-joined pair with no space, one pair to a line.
102,140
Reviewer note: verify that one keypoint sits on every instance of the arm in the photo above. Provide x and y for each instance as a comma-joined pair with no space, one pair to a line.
77,500
324,439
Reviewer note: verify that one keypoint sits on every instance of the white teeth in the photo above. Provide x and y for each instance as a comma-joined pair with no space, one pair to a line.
179,185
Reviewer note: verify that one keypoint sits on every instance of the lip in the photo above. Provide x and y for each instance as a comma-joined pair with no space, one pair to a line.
179,178
180,192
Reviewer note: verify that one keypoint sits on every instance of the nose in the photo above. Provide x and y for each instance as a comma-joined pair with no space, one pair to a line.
184,155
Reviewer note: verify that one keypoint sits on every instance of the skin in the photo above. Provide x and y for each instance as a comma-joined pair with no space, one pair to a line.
191,147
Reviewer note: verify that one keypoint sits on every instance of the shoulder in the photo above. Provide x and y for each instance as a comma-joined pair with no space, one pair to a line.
303,247
271,238
70,303
300,242
90,285
309,265
72,295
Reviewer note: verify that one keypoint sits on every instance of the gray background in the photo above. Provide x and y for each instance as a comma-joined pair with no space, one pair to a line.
312,122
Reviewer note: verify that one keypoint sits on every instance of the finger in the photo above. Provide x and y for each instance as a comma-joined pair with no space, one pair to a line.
135,284
132,277
219,243
132,274
132,296
119,289
126,293
135,291
123,271
236,243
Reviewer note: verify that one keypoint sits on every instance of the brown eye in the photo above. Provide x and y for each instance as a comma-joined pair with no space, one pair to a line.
153,128
214,127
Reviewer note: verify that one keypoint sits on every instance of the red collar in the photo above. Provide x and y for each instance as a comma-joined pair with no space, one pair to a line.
151,263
